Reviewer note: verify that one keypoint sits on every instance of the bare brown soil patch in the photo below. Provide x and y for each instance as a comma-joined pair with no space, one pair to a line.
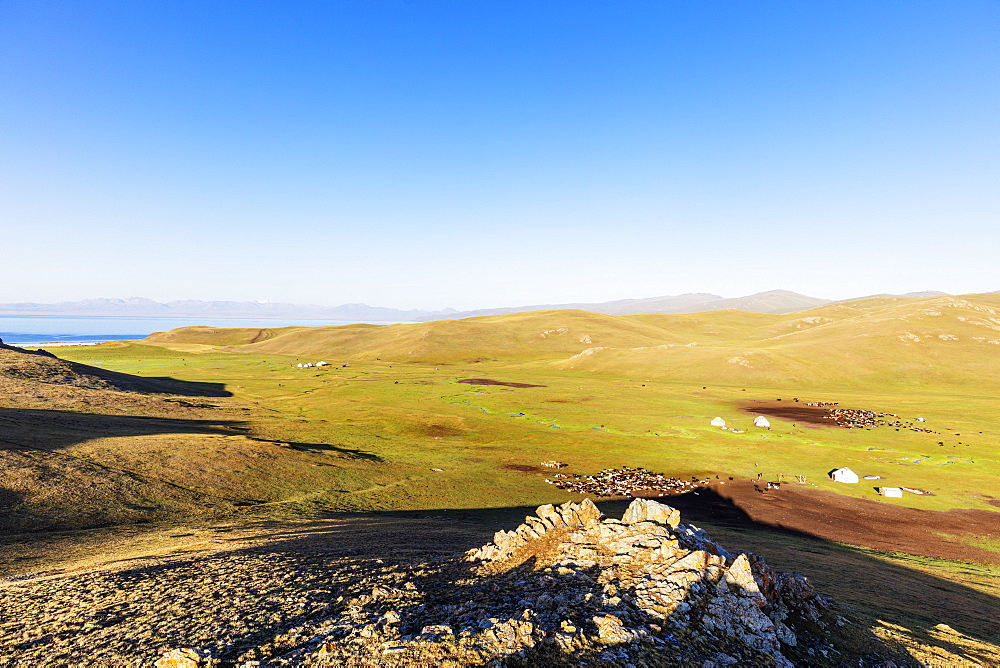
441,431
487,381
992,501
522,467
830,516
815,415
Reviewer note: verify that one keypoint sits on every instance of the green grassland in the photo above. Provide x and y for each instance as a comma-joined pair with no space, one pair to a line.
416,417
388,427
642,396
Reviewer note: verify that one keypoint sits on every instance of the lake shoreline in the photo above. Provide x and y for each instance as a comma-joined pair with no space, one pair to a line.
46,330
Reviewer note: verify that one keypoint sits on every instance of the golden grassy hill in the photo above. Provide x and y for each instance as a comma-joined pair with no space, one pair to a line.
910,343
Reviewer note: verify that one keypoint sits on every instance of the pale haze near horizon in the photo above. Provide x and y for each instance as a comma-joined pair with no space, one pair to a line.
469,155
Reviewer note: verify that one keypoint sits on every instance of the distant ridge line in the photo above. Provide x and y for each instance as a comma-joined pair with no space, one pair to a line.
772,301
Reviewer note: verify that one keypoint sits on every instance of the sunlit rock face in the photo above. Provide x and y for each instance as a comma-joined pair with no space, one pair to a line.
572,585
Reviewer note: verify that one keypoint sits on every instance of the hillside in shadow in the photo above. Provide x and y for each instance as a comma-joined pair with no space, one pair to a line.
40,366
71,470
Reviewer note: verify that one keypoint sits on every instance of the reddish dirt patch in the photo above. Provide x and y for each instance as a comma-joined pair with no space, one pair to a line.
830,516
441,431
524,468
814,415
487,381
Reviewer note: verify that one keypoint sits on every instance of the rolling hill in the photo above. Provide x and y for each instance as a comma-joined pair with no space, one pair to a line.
910,343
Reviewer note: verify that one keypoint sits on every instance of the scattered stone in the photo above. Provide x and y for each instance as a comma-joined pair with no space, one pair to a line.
186,657
610,630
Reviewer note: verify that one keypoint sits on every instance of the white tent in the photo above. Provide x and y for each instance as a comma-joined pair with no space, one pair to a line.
844,474
718,422
891,491
761,421
322,364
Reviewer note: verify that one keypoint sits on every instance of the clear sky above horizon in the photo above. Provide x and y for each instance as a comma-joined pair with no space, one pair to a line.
431,154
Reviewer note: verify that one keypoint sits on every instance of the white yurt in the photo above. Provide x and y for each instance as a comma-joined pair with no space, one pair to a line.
761,421
718,422
844,474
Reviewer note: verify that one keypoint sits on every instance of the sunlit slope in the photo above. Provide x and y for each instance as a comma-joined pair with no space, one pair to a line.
218,336
952,341
893,342
904,343
538,335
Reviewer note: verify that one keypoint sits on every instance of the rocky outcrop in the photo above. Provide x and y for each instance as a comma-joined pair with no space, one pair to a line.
570,583
671,573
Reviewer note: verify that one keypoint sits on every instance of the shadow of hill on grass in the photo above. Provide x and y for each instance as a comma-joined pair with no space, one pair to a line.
159,384
63,470
56,429
52,480
46,368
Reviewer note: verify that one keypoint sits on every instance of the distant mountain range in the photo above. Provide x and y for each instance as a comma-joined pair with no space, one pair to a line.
142,307
774,301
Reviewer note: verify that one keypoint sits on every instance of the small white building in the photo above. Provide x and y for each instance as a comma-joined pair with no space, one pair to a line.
891,491
761,421
718,422
844,474
322,364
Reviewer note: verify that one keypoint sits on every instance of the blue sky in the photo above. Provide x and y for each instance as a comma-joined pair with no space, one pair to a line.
472,153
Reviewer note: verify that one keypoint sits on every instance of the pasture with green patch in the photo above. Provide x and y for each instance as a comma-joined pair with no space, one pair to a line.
415,417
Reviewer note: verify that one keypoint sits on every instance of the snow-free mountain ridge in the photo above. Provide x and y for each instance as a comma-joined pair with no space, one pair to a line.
773,301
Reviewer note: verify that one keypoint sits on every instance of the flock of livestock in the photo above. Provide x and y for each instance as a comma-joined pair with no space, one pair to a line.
623,482
855,418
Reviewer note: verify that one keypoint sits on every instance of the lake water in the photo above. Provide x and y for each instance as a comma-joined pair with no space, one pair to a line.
56,329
